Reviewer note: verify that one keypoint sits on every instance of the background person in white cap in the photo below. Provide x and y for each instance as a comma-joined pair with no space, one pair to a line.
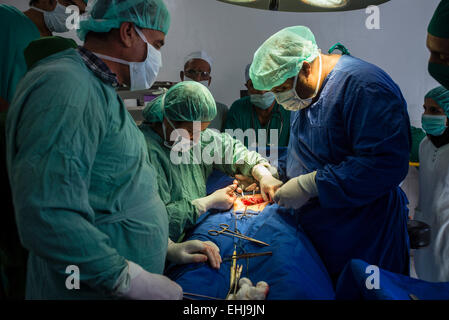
197,67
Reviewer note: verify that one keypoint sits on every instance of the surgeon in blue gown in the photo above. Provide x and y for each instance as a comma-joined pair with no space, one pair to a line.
348,150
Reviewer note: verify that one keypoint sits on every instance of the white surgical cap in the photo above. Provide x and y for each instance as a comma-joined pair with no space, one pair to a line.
199,55
247,73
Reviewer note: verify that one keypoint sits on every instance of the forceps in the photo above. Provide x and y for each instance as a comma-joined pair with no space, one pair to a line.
224,229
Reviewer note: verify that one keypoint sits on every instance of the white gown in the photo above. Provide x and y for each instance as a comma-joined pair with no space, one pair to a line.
432,262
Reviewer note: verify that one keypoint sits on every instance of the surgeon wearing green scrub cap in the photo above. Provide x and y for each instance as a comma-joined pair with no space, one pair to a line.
19,29
340,164
432,263
435,119
438,44
183,115
84,191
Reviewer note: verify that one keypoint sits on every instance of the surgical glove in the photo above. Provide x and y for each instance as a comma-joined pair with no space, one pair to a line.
297,191
222,199
268,183
142,285
194,251
247,183
247,291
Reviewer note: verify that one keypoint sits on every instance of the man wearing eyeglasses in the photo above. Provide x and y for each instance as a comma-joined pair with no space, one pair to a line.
197,67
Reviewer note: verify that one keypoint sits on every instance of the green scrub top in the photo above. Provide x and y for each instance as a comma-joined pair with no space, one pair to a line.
84,191
181,183
17,32
220,119
243,116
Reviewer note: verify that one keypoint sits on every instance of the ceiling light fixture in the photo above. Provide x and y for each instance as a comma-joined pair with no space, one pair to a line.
331,4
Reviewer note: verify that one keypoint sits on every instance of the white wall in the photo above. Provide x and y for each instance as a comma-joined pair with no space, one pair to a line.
231,34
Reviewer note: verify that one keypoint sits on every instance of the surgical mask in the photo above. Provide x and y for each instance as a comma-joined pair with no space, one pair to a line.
434,125
440,73
290,99
203,82
262,101
55,20
181,143
143,74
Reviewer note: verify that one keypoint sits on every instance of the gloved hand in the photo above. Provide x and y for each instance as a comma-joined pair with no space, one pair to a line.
297,191
247,291
268,183
194,251
222,199
248,183
139,284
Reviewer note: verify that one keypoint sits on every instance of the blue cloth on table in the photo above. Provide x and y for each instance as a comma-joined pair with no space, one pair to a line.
392,286
294,271
219,179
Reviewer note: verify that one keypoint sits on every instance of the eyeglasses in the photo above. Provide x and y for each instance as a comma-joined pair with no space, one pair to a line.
193,73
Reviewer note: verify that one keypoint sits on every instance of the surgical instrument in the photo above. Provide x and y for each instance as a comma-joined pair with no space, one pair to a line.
226,231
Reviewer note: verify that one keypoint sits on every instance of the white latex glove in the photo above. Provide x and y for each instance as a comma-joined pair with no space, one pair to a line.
268,183
297,191
247,291
222,199
139,284
248,183
194,251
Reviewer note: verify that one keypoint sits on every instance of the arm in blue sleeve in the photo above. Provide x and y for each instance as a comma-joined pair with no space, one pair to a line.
378,127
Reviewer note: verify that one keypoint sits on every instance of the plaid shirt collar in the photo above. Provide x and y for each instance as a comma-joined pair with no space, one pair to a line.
98,67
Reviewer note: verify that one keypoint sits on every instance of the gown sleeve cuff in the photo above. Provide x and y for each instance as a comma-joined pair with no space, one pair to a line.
307,182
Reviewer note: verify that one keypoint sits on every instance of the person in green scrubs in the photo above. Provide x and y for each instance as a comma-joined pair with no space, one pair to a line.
438,44
189,107
19,29
85,194
261,112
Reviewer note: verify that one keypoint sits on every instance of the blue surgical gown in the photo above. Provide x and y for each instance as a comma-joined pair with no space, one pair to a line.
357,137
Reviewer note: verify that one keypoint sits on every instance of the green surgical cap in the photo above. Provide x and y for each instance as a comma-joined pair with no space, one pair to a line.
441,96
439,25
104,15
281,57
186,101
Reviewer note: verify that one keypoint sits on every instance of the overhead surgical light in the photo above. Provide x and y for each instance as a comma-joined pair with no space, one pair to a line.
306,5
326,3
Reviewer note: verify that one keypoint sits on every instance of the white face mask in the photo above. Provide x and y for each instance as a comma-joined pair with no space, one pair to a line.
290,99
55,20
203,82
143,74
181,143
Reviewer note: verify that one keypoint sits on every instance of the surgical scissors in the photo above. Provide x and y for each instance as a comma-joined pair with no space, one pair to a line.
226,231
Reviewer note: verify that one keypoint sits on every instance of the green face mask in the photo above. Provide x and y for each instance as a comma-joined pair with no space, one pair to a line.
433,124
440,73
